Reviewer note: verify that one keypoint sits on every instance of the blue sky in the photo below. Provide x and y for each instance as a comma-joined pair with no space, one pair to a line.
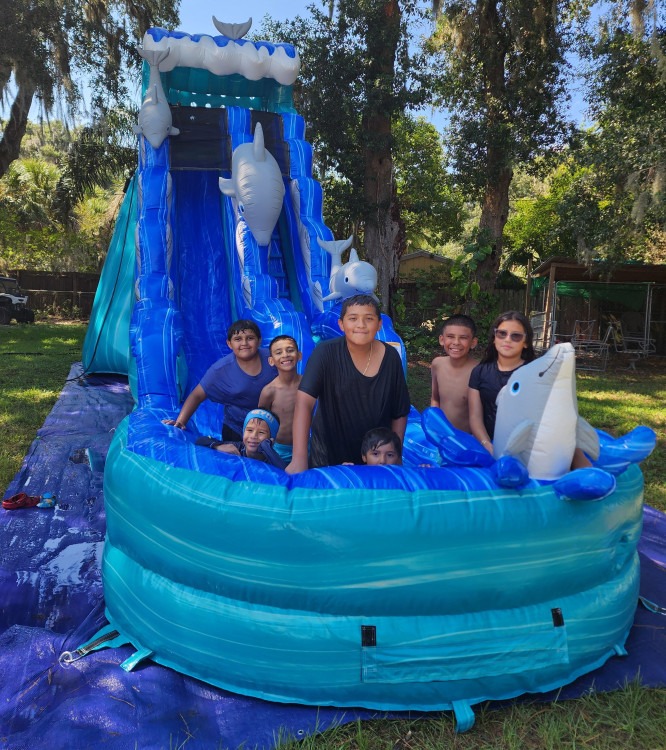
195,18
195,15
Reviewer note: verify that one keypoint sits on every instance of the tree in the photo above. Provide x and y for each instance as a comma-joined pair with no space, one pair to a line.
502,78
358,76
624,155
51,46
430,204
33,231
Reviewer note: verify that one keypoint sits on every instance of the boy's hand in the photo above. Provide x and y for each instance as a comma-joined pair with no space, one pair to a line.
296,466
175,422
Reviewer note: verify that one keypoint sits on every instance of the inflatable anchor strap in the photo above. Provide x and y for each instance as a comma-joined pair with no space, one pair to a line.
464,716
107,637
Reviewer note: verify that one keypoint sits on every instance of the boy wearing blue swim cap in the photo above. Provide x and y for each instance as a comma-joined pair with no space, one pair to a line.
259,431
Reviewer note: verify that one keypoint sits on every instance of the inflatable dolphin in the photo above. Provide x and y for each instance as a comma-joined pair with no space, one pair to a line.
155,115
537,416
354,277
257,186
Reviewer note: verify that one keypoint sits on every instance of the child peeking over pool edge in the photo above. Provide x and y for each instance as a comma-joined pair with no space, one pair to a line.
259,431
381,447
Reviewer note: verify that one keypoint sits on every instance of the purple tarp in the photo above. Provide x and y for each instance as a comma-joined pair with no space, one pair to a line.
52,601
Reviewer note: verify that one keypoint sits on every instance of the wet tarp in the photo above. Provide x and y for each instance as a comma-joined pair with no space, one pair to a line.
51,601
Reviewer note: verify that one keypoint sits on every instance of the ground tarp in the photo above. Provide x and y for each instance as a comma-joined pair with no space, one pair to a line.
51,601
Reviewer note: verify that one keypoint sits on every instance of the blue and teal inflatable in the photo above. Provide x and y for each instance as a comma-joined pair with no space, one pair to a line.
385,587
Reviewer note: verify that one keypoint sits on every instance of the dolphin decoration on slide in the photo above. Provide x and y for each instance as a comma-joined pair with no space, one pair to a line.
463,451
233,31
354,277
537,416
155,115
257,186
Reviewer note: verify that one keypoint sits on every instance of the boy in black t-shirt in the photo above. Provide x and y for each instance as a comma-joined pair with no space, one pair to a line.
357,383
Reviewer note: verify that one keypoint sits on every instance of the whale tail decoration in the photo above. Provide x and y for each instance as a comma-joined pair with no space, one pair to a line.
617,454
155,122
455,446
233,31
354,277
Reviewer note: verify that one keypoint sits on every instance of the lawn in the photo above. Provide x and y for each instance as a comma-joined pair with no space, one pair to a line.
36,361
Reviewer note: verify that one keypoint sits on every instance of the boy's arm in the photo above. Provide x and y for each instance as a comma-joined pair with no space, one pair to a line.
192,403
266,398
399,426
434,397
301,432
228,448
476,419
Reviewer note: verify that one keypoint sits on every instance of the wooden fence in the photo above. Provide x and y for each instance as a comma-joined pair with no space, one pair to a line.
423,305
68,292
73,291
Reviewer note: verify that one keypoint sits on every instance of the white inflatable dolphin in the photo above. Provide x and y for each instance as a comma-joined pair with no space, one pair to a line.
537,416
155,115
354,277
256,184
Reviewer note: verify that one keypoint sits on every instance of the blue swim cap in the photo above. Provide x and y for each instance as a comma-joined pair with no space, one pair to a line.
270,419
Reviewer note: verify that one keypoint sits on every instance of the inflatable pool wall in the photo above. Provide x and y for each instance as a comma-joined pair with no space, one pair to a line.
386,587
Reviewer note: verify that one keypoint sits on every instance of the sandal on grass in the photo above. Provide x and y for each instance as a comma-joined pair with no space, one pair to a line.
15,502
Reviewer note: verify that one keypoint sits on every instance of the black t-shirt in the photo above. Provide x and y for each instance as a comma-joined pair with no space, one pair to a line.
489,380
349,403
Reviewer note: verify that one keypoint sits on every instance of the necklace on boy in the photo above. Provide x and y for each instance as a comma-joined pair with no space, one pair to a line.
369,358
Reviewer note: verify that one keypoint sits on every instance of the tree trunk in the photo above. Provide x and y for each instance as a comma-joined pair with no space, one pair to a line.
384,230
495,206
494,213
10,145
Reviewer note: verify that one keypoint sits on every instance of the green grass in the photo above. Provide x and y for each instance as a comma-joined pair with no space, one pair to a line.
35,363
36,360
631,719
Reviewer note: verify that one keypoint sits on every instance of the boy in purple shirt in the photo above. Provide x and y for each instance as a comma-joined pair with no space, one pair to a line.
234,381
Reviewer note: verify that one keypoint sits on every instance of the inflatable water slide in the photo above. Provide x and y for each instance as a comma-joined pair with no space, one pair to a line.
382,587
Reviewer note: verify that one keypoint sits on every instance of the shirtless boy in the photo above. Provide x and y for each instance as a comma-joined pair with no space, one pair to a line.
450,373
279,396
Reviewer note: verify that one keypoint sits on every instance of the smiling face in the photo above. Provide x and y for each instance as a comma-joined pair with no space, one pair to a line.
383,455
284,355
244,344
457,341
360,324
256,431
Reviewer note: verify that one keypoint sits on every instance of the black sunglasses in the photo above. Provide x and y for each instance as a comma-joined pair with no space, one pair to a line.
514,335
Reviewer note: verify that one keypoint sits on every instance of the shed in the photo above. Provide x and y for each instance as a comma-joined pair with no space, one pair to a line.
421,260
567,291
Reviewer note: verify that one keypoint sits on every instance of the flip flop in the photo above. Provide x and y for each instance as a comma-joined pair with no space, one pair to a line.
15,502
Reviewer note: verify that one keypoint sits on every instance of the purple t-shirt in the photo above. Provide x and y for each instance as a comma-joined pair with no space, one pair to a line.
225,383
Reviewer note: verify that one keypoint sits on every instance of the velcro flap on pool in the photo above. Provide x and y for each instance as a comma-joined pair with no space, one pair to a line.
463,646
